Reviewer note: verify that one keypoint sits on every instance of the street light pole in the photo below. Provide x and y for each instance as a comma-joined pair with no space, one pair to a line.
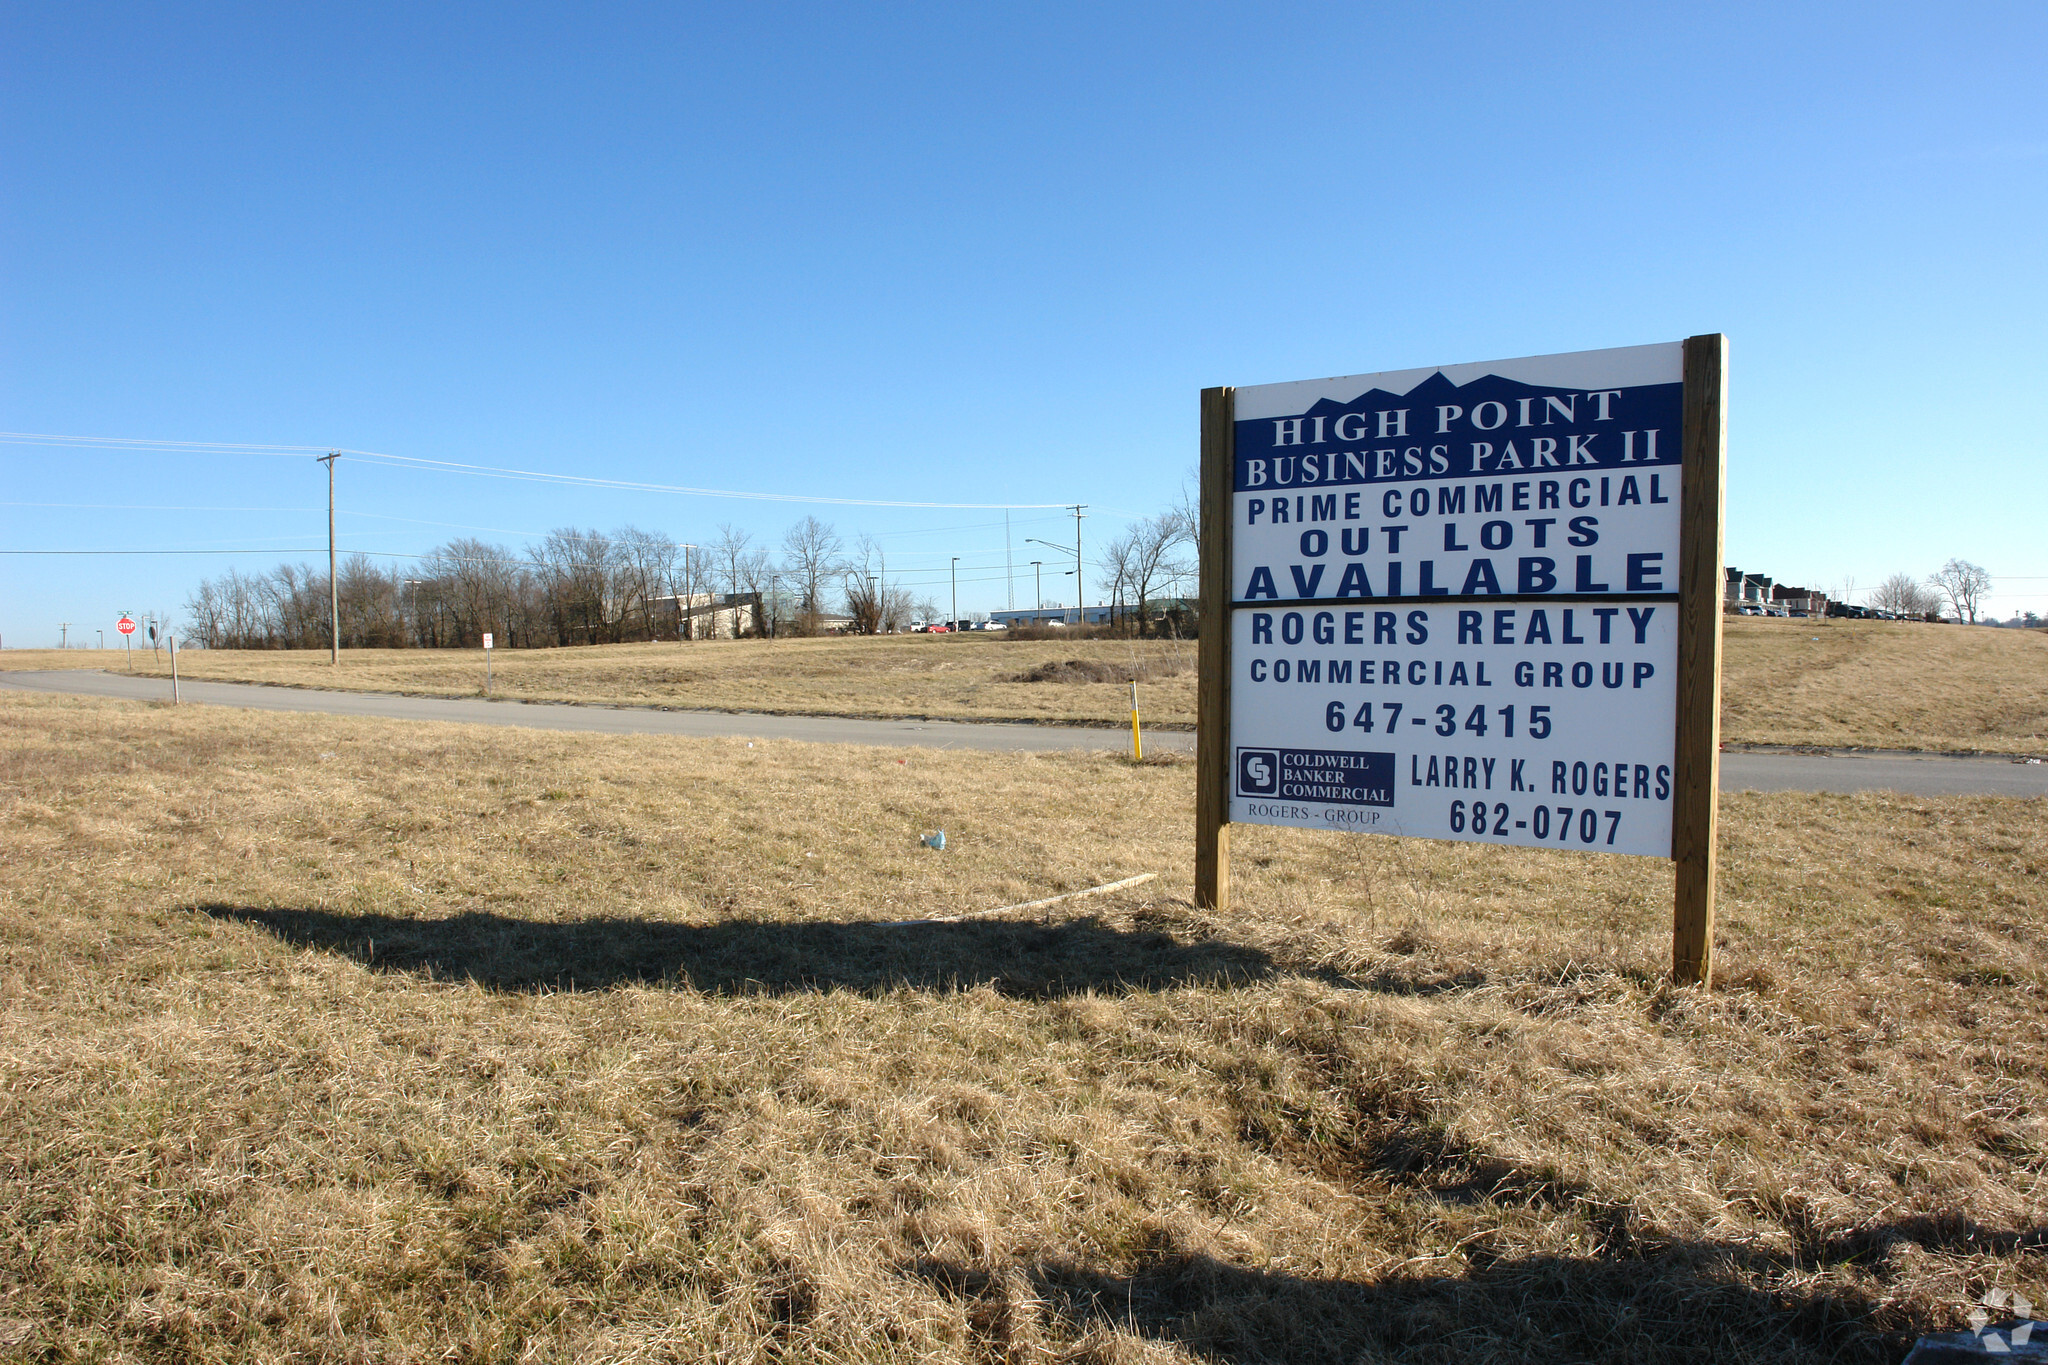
1080,617
956,592
1037,588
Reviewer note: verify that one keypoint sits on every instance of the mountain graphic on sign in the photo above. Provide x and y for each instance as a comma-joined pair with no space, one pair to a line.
1439,410
1439,390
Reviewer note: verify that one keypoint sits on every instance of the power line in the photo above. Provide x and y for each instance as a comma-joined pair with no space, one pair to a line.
272,551
634,486
142,507
140,445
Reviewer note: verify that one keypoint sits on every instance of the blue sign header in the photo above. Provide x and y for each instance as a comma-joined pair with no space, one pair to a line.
1442,430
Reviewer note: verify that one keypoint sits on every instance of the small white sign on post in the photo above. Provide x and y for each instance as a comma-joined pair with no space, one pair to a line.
487,639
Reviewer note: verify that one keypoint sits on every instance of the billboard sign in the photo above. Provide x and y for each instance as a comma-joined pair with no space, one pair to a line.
1477,602
1453,601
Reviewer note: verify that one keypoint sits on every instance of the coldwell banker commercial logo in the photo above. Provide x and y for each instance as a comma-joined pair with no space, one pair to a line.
1340,776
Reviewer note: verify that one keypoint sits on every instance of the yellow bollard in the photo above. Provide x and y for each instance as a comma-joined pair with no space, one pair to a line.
1137,751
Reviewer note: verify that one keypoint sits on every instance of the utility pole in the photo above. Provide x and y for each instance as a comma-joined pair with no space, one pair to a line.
1037,588
1080,597
64,640
956,592
1009,566
333,585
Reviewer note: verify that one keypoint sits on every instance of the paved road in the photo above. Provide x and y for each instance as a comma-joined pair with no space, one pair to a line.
1931,776
609,720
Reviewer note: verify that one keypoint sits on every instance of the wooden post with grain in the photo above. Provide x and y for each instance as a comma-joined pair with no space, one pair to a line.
1212,706
1695,803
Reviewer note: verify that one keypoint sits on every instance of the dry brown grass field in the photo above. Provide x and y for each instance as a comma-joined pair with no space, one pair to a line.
1886,685
1837,683
971,677
324,1039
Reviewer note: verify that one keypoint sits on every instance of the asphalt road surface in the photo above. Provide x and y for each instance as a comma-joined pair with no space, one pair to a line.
1843,772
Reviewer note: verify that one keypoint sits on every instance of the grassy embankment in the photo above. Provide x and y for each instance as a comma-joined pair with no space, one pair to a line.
327,1039
1837,683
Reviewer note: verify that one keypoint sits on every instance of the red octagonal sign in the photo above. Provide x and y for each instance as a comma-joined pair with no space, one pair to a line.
125,626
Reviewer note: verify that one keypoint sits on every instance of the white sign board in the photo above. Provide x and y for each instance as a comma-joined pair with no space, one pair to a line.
487,639
1454,601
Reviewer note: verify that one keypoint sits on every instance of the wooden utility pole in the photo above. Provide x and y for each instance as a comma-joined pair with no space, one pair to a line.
1080,597
1696,796
333,583
1212,706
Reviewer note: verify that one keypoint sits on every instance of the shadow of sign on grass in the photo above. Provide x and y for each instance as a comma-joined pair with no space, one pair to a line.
765,957
1681,1302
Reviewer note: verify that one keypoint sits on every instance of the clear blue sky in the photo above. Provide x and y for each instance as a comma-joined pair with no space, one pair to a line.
969,253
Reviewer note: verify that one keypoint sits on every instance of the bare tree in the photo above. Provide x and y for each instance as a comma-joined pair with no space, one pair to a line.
899,607
1114,560
754,575
863,602
1904,594
645,568
811,550
575,572
370,616
1187,510
473,583
1144,562
727,557
866,592
1964,585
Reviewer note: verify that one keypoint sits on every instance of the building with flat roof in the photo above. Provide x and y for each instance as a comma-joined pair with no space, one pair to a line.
1098,615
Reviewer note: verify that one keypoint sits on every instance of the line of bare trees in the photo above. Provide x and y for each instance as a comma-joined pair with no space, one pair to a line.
1153,559
575,587
1958,585
583,587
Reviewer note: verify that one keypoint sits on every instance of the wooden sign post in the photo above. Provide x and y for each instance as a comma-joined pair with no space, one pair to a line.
1476,602
1212,658
1695,826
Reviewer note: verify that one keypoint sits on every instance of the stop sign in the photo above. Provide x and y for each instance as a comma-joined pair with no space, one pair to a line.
125,626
